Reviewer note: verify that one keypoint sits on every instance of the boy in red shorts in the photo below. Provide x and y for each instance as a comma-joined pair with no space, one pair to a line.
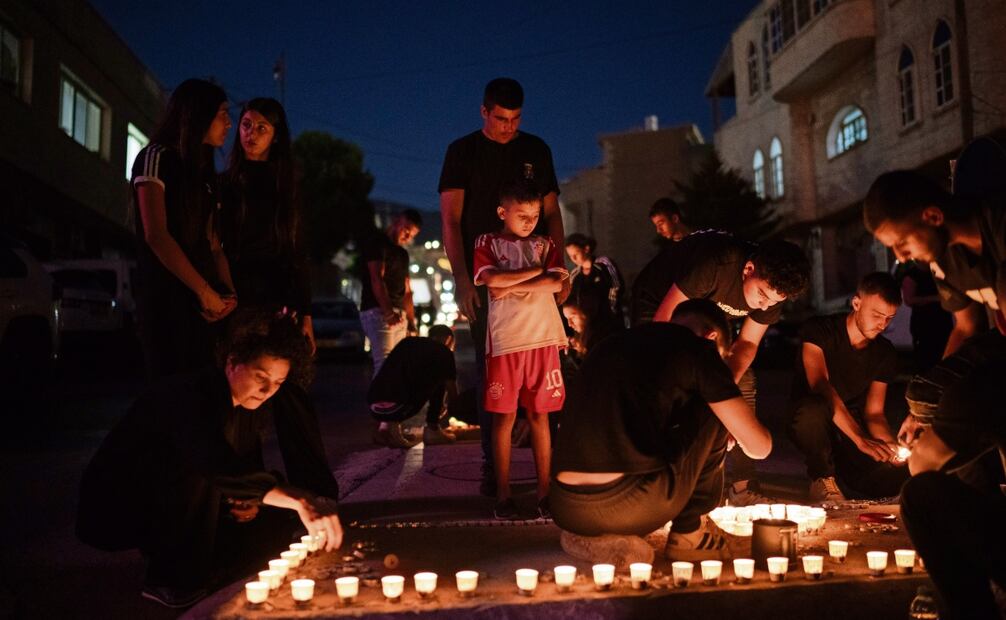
523,272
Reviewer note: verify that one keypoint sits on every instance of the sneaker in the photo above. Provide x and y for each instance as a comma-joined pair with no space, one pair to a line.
398,438
544,512
746,495
706,543
825,491
437,436
487,486
506,510
607,549
174,598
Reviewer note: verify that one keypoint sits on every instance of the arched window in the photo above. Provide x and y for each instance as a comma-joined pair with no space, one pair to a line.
766,74
775,161
906,86
753,85
941,62
758,163
847,130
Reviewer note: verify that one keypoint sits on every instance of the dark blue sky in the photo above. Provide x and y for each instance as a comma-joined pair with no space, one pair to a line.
403,79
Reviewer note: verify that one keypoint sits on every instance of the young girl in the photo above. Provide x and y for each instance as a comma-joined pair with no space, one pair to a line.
183,283
594,276
261,221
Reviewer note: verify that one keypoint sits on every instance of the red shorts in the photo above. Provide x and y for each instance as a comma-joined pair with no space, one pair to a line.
530,378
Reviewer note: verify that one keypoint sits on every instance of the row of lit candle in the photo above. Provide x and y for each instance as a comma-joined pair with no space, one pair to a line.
269,580
739,520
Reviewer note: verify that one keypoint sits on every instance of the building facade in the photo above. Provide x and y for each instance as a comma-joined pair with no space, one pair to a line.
610,202
831,93
77,105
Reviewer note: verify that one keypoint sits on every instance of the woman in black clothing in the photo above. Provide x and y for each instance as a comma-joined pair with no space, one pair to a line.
594,275
183,282
182,475
262,232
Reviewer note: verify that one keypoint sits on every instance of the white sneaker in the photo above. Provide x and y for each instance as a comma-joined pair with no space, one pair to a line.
825,491
745,495
706,543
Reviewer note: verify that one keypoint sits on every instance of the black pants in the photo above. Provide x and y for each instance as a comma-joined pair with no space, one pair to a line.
958,532
742,466
638,504
828,452
436,408
478,330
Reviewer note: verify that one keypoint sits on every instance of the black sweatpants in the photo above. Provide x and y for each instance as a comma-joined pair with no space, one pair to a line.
958,532
436,408
828,452
638,504
740,465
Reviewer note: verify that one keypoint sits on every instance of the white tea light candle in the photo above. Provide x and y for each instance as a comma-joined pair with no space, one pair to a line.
256,592
301,549
640,573
877,561
778,511
392,586
302,590
527,580
604,575
280,566
743,528
293,557
426,583
838,549
777,568
565,576
311,542
813,566
744,569
905,560
711,570
347,588
467,581
681,572
272,577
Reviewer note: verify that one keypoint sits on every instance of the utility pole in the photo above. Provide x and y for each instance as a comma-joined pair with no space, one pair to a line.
279,74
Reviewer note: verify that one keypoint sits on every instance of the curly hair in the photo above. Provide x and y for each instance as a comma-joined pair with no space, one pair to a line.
254,333
784,266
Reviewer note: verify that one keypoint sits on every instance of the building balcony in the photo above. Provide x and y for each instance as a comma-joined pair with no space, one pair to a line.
823,48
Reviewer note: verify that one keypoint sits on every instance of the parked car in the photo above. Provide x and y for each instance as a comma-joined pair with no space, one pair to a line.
116,276
29,334
85,304
337,326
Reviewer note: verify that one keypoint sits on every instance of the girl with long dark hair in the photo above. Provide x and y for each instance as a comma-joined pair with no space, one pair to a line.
183,283
594,275
262,232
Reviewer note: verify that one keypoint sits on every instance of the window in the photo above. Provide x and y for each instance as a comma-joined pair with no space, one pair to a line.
847,130
10,59
906,86
765,58
759,173
135,141
753,86
775,22
941,61
80,115
775,161
802,13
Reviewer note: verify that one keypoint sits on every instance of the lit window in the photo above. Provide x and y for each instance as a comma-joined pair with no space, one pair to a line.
775,160
758,163
135,141
753,86
765,57
906,86
942,66
10,59
847,130
80,115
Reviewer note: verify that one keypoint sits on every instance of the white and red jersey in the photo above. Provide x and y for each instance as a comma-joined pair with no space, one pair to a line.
521,321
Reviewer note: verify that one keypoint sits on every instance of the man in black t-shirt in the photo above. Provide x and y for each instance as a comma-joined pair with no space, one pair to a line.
419,371
386,310
643,440
837,409
476,167
748,282
666,217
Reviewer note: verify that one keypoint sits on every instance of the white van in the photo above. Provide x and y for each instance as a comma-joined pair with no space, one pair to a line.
29,322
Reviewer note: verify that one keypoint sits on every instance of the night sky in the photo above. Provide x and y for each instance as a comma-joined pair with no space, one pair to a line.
403,79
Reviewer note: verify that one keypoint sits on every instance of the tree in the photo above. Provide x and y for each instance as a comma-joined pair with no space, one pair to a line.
333,191
718,197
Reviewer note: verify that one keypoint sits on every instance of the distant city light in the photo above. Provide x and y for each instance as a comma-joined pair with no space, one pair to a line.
425,318
448,285
414,268
435,244
427,245
429,270
446,297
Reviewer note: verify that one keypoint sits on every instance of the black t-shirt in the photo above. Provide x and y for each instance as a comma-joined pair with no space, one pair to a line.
413,368
481,167
379,248
705,265
962,277
850,371
638,399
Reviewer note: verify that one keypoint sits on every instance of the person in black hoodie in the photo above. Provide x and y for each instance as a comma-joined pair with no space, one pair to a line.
182,476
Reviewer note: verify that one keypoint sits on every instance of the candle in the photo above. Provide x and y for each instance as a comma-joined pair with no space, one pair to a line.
301,549
426,583
903,454
838,549
743,528
640,573
272,577
293,557
711,570
729,513
256,592
302,590
744,569
802,524
604,576
467,581
311,542
392,587
527,580
905,559
347,588
778,511
777,568
565,576
280,566
795,511
681,572
817,517
728,526
761,511
813,566
877,561
744,514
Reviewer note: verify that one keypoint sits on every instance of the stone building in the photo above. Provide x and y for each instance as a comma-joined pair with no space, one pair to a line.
77,105
831,93
610,202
